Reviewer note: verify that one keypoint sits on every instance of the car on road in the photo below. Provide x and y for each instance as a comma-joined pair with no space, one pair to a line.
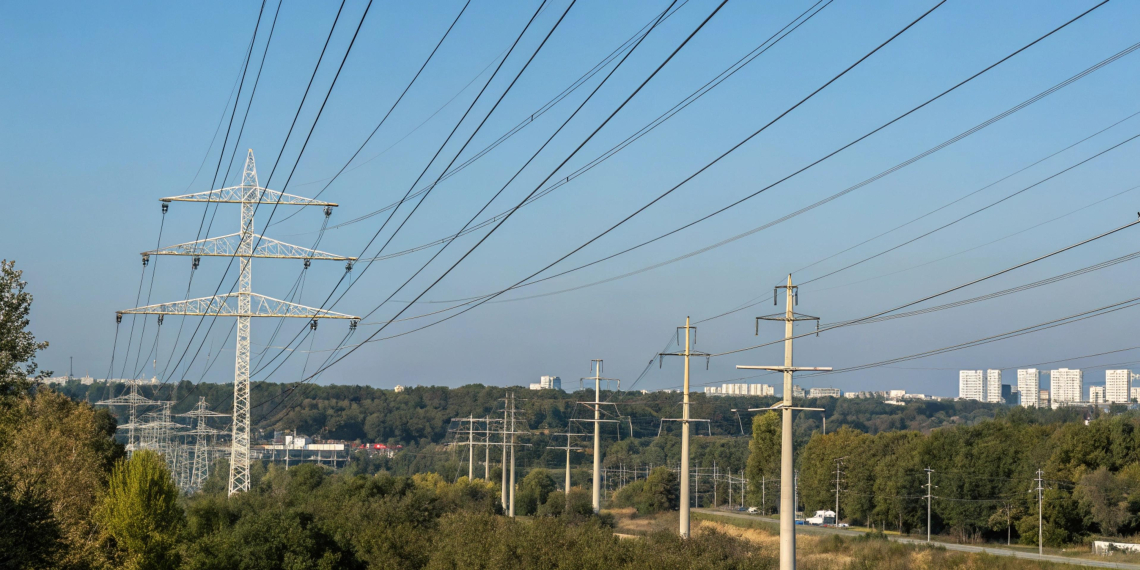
753,511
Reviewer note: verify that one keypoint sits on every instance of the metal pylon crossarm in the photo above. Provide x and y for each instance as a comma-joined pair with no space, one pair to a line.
230,305
244,194
230,245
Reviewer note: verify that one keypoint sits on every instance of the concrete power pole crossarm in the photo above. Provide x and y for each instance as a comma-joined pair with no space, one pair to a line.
787,492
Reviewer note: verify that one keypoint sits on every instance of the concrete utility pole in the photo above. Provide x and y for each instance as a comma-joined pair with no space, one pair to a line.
504,464
568,448
686,420
837,472
470,448
787,492
596,405
512,500
487,450
929,495
1040,518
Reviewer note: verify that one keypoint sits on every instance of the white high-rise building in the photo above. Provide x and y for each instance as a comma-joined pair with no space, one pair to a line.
1066,385
1096,394
972,385
550,382
1029,386
1118,386
1136,393
993,386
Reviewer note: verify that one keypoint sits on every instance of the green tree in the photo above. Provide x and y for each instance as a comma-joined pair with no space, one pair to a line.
64,451
533,491
140,515
662,491
29,534
764,460
1105,496
18,347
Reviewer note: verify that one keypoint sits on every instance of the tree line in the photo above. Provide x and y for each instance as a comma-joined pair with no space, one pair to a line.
984,476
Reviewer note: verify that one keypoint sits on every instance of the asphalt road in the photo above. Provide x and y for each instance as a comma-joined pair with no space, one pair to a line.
958,547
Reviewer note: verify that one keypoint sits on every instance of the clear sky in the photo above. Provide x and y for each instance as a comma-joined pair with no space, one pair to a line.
110,106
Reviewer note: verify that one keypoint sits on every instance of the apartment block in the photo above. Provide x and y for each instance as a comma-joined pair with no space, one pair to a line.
993,386
971,385
1029,386
1118,386
1066,385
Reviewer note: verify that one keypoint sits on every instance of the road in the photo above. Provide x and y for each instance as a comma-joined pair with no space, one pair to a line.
958,547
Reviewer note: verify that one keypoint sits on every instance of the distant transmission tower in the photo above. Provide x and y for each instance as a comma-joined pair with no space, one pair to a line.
244,304
202,433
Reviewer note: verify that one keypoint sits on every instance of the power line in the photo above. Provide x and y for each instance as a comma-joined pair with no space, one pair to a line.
979,210
392,108
947,291
1070,319
644,130
439,151
834,196
627,218
528,120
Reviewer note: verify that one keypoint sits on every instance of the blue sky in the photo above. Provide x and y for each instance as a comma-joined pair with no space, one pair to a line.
112,106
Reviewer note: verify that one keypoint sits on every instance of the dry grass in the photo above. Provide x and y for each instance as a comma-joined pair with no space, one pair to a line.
833,552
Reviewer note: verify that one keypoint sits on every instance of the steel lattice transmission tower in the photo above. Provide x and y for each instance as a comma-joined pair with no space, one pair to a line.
244,304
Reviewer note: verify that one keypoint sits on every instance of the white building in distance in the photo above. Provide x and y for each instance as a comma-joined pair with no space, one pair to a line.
1066,385
1118,386
824,393
1029,386
1096,394
971,385
993,386
547,383
741,390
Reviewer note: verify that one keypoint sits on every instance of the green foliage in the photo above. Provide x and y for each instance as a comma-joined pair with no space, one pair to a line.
764,460
657,493
139,515
63,451
980,471
533,491
30,536
18,347
1106,497
479,542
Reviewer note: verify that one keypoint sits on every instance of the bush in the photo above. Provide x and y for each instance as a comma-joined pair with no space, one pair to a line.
657,493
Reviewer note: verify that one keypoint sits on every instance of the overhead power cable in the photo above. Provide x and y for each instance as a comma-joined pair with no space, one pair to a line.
986,244
818,203
824,158
328,364
1067,320
943,292
627,218
731,70
528,120
325,304
977,211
